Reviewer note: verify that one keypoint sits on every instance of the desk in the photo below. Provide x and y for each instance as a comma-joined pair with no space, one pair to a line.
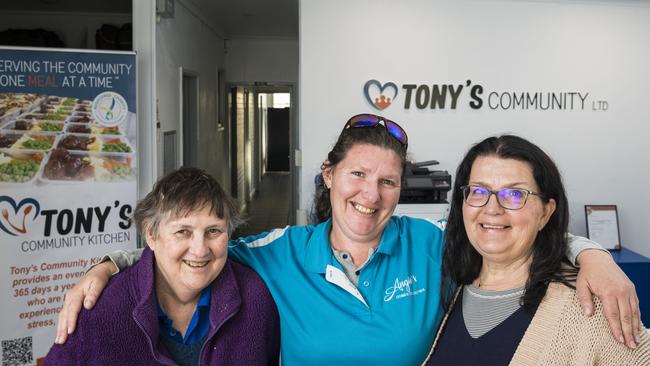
637,268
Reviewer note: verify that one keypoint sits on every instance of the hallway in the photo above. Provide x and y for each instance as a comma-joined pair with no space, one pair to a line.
269,209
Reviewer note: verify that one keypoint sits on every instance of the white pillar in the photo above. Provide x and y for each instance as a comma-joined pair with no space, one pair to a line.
144,43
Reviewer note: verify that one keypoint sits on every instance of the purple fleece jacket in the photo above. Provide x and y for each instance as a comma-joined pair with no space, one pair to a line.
122,329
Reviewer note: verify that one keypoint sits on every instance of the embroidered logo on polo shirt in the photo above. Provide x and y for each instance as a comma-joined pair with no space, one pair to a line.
403,288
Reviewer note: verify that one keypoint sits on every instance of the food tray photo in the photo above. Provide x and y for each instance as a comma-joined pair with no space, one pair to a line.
19,168
65,166
56,108
91,129
27,141
95,143
80,117
32,116
82,108
8,115
55,115
13,104
33,125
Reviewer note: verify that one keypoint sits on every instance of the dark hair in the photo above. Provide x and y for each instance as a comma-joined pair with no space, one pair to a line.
178,194
375,135
462,263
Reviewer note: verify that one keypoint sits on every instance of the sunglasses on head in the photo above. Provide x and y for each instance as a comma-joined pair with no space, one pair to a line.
371,120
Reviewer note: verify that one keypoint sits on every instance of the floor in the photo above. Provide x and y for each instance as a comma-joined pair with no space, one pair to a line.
269,209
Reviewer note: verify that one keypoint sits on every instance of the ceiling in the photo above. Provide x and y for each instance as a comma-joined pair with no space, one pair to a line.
236,18
253,18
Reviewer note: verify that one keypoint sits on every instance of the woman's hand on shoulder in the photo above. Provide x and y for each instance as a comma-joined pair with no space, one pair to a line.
85,292
599,275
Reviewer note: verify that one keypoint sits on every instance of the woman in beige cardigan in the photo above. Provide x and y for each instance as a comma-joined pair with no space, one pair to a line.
516,303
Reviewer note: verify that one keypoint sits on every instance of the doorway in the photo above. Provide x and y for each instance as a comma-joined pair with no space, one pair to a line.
261,160
189,117
278,139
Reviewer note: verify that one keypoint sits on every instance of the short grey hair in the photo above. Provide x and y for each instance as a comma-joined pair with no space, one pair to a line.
178,194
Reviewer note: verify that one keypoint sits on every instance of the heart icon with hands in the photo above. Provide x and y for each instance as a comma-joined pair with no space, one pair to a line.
378,95
14,217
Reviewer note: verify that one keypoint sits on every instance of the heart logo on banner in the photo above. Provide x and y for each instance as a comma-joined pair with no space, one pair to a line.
380,96
14,216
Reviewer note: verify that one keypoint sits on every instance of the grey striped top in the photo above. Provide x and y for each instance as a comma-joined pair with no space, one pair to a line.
484,310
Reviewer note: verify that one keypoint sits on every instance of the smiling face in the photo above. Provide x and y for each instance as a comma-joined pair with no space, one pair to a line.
501,235
190,253
364,190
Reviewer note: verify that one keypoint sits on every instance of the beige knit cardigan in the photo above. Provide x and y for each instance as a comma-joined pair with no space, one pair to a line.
559,334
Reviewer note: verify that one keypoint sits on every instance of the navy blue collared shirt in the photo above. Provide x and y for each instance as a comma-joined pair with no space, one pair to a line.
198,327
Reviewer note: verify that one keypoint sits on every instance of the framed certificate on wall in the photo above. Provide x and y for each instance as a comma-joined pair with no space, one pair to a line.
602,225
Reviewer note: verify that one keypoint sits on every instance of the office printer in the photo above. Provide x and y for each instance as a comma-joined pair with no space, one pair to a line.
421,185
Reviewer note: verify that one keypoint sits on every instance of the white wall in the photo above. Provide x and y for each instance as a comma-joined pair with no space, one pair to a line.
549,46
76,30
262,59
187,41
144,36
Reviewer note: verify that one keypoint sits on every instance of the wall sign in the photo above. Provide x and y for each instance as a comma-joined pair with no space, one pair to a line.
476,96
67,182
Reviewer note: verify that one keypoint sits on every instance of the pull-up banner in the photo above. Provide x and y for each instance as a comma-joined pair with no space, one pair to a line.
67,182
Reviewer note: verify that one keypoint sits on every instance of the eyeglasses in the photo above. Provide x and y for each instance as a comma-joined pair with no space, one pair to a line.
508,198
371,120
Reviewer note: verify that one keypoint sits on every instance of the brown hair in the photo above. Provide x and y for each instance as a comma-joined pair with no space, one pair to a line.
373,135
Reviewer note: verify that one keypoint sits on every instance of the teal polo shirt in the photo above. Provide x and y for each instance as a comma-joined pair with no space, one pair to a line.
389,319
